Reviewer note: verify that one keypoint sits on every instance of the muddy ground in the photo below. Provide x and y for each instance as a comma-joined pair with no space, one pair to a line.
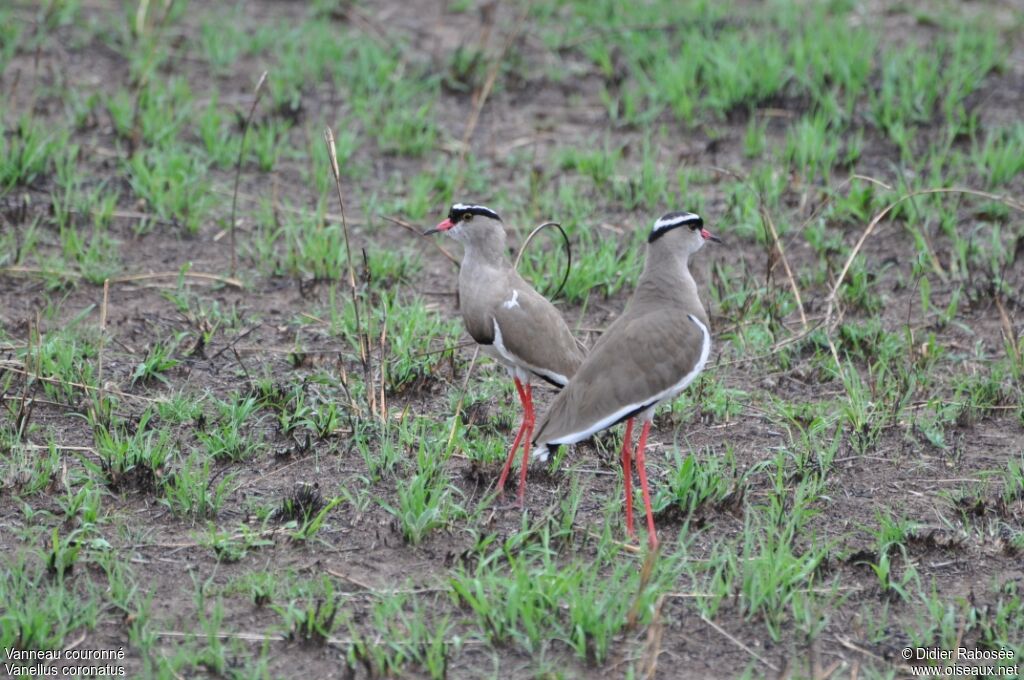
364,550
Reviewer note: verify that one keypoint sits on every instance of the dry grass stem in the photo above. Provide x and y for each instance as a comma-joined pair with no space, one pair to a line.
408,227
238,169
767,219
362,333
831,298
227,281
721,631
485,91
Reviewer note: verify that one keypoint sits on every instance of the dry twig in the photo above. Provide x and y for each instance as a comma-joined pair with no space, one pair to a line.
238,168
228,281
362,335
485,91
408,227
724,633
831,299
652,646
767,219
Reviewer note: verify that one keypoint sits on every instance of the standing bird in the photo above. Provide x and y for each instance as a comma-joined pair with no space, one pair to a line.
512,322
645,358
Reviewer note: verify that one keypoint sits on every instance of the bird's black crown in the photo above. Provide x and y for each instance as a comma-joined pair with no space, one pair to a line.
672,220
460,211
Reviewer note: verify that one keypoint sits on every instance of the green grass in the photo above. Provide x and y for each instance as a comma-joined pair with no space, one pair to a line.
42,610
127,459
193,490
224,437
426,500
311,621
411,640
414,336
998,155
28,150
521,595
26,471
694,484
66,358
157,362
220,499
172,182
10,37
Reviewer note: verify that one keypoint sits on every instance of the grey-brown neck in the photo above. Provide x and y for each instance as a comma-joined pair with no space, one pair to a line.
666,279
486,245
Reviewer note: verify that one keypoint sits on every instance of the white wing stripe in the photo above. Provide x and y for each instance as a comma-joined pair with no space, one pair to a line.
515,362
664,395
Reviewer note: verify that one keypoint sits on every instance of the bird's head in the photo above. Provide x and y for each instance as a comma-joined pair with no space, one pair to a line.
683,230
470,224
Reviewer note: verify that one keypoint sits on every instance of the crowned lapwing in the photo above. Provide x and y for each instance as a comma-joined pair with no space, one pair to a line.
513,323
647,356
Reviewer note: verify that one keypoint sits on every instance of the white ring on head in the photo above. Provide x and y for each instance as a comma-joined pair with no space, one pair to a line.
674,219
475,210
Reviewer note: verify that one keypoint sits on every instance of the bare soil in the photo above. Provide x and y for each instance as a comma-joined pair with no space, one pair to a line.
903,474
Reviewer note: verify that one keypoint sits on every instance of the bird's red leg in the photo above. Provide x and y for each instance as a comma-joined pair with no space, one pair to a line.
515,444
652,537
528,420
627,476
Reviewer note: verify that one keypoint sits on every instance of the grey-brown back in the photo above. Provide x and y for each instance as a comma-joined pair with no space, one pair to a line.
502,310
660,342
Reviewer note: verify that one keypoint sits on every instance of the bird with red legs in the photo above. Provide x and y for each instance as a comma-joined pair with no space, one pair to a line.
512,322
657,347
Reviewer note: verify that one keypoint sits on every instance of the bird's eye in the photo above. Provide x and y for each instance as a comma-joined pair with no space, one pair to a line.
468,217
